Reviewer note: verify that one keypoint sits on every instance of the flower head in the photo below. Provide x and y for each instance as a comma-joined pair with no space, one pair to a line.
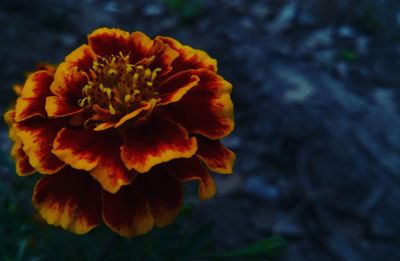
117,128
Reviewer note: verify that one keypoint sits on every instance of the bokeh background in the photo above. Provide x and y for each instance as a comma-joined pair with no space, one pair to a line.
317,103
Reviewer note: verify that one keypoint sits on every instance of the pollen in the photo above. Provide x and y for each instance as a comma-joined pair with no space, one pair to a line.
118,86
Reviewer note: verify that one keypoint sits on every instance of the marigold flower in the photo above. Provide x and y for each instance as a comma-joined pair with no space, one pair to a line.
117,128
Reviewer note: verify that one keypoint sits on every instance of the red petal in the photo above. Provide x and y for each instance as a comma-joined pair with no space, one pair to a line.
37,136
189,58
23,167
70,199
58,107
152,198
215,155
82,58
164,193
175,87
192,169
96,152
155,142
142,46
68,83
207,108
106,42
33,96
164,57
128,212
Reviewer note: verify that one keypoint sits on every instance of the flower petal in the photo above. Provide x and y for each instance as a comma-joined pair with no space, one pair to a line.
23,167
68,83
143,107
164,58
33,96
127,212
189,58
154,142
37,136
70,199
58,107
192,169
82,58
173,89
207,108
95,152
164,193
154,198
142,46
111,172
215,155
107,41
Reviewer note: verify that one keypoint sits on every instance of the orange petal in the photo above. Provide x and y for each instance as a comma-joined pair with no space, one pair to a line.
192,169
107,41
142,46
189,58
68,83
111,172
23,167
155,142
37,136
33,96
82,58
96,152
152,199
173,89
58,107
207,108
164,192
143,107
70,199
164,58
215,155
127,212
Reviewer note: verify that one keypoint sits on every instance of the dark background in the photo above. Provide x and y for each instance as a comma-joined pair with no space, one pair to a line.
316,94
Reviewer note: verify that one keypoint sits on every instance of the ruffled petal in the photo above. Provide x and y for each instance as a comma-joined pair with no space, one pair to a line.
127,212
164,192
22,165
111,172
107,41
23,168
154,198
216,157
142,46
191,169
95,152
146,106
154,142
37,136
206,109
164,58
58,107
33,96
173,89
68,83
70,199
189,58
82,58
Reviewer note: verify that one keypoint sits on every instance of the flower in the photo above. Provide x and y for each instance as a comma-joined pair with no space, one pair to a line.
117,127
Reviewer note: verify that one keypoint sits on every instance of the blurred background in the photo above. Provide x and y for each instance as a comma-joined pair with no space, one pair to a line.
316,94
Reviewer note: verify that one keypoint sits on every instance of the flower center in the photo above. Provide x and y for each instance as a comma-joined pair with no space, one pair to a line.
118,86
